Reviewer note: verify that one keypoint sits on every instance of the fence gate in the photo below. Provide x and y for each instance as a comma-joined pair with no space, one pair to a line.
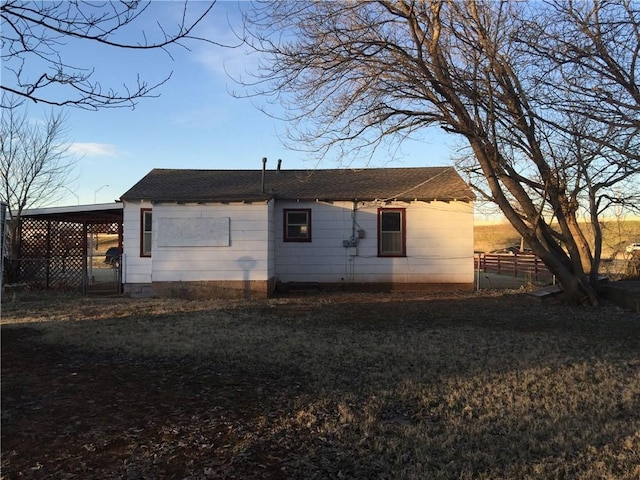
103,258
68,252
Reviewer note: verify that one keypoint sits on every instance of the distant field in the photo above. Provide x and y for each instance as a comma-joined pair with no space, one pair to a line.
104,241
101,243
617,235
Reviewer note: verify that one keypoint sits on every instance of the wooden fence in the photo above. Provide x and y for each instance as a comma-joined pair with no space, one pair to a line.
520,264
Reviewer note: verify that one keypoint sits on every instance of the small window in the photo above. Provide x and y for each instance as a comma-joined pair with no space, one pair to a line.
391,232
145,232
297,225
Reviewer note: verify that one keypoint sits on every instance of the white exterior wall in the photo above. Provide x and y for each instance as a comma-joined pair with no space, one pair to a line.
439,241
135,269
271,239
246,257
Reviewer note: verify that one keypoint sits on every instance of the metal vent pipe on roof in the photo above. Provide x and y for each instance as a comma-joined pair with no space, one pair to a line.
264,167
279,163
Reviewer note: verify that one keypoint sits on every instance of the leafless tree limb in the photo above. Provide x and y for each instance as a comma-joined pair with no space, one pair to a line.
35,33
35,162
544,95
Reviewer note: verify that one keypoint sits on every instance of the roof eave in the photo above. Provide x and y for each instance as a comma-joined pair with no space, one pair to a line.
266,198
246,199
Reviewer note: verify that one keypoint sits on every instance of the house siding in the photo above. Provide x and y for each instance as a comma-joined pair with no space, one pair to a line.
439,241
271,240
439,247
136,269
242,265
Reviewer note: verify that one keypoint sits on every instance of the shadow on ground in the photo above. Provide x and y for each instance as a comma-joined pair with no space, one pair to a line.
491,281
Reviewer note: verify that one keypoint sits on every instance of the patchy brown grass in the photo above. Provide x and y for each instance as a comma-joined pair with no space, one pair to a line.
402,386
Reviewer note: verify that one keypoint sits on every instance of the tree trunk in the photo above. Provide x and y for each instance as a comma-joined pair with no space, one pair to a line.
575,285
569,268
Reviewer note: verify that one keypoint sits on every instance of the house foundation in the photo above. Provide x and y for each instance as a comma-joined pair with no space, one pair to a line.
374,287
202,290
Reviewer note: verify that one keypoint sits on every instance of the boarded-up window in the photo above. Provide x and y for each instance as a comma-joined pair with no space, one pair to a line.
193,232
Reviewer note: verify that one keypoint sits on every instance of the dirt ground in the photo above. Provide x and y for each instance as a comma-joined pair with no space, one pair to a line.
67,415
72,414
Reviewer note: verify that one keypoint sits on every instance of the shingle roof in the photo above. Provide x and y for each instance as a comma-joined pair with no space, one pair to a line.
187,186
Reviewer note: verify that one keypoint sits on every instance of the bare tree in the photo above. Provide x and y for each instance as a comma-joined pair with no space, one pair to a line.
34,35
35,163
354,75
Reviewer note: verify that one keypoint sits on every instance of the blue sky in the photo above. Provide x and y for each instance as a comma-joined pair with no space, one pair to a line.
195,123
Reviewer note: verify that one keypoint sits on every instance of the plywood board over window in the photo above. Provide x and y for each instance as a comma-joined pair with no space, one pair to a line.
194,232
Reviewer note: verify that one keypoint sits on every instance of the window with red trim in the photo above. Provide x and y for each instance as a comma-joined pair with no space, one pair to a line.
392,239
297,225
145,232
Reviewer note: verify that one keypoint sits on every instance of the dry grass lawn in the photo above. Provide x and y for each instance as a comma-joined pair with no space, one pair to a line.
395,386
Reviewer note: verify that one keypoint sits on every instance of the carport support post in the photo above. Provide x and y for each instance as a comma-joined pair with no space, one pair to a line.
89,254
84,257
48,260
121,256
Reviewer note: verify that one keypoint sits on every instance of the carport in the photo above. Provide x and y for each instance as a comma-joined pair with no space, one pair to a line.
57,248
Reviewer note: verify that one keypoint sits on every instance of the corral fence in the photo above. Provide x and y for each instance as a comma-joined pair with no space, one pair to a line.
517,265
531,267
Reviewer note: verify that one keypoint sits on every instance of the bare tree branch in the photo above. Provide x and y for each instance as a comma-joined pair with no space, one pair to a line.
35,162
523,84
35,33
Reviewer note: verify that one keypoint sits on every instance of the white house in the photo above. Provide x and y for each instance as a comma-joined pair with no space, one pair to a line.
204,233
